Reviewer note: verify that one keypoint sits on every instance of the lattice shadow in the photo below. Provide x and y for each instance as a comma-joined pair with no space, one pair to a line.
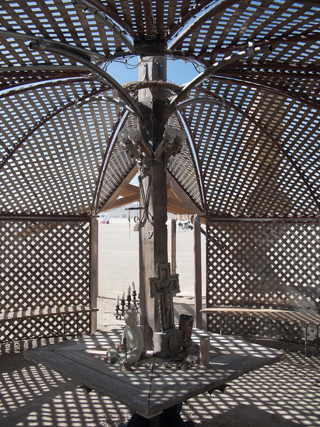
282,395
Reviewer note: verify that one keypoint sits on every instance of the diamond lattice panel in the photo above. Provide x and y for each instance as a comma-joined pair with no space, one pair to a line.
254,158
263,265
44,264
295,81
245,21
161,15
117,163
62,21
182,166
55,167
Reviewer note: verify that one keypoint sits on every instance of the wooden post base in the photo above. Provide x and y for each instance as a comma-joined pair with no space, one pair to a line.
168,418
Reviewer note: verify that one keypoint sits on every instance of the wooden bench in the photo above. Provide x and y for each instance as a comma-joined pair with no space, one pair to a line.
304,319
38,313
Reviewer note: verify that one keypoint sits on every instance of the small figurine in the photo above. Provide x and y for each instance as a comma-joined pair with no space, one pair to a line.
132,338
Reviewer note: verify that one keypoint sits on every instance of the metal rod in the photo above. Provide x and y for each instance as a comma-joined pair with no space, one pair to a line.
44,120
134,209
199,79
199,5
28,37
60,49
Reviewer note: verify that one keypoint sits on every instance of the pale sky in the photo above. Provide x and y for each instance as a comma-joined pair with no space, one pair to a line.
178,71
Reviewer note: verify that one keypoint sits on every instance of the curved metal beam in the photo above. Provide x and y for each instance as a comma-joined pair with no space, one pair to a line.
275,142
143,84
199,79
216,67
87,5
273,41
38,125
195,159
79,55
38,85
196,100
106,158
97,98
44,67
78,50
30,77
113,15
196,9
270,89
222,5
288,68
217,8
308,2
53,48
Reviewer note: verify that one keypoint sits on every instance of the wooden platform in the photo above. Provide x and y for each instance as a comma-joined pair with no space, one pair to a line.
155,384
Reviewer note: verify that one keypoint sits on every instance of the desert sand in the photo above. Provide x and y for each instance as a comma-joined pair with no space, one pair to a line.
119,266
119,257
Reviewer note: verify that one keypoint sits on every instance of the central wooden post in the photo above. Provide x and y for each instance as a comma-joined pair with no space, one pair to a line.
153,244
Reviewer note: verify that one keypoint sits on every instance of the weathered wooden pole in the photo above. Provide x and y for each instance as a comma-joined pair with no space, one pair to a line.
153,240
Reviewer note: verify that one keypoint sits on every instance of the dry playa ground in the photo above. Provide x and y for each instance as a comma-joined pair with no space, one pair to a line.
286,394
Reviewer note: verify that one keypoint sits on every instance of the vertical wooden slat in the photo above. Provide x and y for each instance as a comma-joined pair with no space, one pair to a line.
94,272
197,272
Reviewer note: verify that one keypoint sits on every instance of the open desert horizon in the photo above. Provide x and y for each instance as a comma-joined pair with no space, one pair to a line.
119,257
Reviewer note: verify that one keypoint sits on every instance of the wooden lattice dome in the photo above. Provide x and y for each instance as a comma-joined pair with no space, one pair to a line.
252,118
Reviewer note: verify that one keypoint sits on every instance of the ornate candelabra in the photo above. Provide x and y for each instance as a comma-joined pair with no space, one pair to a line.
131,302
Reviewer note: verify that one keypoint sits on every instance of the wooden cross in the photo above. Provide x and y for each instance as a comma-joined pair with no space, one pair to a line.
163,288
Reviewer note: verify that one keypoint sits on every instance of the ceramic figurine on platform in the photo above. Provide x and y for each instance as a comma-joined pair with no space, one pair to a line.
132,336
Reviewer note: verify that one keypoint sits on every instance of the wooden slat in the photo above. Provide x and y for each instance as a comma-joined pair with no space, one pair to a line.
282,315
